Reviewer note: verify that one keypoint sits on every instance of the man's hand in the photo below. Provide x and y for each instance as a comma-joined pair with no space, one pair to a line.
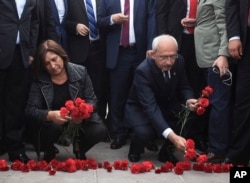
178,141
188,22
192,104
222,64
119,18
82,29
235,48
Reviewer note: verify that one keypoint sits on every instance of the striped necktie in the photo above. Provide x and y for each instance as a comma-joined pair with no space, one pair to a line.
92,21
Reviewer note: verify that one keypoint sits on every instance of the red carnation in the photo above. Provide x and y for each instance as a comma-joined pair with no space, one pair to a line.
200,110
202,158
190,144
203,102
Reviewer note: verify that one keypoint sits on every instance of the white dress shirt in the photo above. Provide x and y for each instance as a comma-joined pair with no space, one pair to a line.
20,6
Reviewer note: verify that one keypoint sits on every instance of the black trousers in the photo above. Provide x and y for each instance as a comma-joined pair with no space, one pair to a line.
197,126
239,150
13,94
99,75
94,132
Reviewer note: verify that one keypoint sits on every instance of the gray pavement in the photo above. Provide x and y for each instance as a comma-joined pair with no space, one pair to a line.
101,152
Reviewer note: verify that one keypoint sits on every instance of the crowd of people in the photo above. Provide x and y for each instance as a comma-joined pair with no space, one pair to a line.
138,62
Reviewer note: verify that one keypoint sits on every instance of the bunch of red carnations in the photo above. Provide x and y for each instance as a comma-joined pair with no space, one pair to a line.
203,103
77,110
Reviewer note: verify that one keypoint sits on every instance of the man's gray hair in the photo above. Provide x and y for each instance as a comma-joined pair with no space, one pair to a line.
158,39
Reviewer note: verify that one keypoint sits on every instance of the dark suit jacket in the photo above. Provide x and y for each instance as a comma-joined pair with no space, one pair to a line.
47,28
78,45
168,15
237,24
151,100
144,27
9,26
61,34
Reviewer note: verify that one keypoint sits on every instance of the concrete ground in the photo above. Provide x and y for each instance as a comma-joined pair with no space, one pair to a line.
101,152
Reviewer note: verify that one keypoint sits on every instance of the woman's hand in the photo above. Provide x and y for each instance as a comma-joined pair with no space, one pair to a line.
56,117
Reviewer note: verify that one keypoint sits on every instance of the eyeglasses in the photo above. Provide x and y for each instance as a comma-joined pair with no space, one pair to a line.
226,78
170,57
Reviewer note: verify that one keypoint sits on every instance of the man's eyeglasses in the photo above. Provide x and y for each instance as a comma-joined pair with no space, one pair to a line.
170,57
226,78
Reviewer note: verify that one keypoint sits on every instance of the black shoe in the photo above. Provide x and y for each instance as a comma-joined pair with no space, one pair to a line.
134,157
229,161
48,156
167,154
21,157
2,152
201,146
80,155
56,150
63,142
151,146
214,158
117,143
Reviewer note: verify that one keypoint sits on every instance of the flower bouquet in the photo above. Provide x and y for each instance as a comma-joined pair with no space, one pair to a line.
203,103
77,110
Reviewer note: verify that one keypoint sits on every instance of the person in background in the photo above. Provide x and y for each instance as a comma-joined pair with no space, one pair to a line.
238,33
212,56
159,87
18,34
47,29
59,10
87,47
130,27
177,18
57,81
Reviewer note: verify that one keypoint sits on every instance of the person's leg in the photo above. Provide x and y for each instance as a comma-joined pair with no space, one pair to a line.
219,121
93,133
47,135
239,149
141,136
120,78
15,93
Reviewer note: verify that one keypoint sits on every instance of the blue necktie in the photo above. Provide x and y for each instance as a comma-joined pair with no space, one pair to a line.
92,21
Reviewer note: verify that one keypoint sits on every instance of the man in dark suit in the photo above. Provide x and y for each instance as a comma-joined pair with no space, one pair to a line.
18,35
177,18
59,12
47,28
238,32
88,49
159,87
122,59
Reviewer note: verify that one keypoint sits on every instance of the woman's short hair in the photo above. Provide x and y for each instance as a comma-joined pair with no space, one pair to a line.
48,46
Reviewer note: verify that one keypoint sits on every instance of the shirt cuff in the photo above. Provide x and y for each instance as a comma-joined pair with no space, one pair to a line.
234,38
111,21
166,132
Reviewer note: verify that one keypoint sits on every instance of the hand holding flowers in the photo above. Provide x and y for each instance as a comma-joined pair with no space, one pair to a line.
76,112
198,105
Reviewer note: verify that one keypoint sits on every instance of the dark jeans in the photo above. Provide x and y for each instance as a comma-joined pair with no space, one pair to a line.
219,119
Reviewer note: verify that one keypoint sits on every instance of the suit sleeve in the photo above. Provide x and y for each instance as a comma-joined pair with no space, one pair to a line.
232,18
34,27
148,101
161,16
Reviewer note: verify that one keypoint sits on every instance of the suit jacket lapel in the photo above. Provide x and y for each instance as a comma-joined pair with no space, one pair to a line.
136,6
13,2
66,7
55,11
